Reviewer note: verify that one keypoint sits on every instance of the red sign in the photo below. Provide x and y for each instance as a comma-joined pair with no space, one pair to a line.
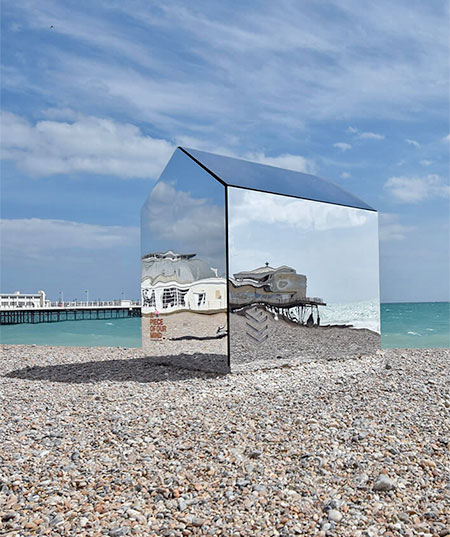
157,327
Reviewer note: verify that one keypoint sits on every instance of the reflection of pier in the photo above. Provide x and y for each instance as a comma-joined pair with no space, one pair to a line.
280,291
72,311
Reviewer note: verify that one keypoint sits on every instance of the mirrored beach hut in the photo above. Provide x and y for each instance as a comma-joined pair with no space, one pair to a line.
244,263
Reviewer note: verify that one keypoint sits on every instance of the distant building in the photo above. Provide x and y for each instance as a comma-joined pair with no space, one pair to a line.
280,286
23,300
174,282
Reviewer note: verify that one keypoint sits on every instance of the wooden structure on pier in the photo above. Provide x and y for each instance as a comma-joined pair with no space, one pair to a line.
57,314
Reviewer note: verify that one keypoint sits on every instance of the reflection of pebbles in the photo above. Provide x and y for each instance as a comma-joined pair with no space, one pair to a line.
292,342
193,340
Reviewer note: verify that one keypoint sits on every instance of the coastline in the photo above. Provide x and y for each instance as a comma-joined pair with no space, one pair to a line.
100,441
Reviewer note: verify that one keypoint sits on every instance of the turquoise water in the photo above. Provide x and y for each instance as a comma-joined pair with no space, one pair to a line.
405,325
415,325
100,333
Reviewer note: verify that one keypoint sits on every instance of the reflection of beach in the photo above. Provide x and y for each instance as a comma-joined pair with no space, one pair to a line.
177,347
290,342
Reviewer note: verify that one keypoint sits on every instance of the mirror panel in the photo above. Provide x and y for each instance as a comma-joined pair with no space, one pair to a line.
303,279
183,278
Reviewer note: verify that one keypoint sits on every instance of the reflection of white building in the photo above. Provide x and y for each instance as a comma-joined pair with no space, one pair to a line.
23,300
173,282
273,286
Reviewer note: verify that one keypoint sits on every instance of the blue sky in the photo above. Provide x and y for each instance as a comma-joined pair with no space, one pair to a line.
96,95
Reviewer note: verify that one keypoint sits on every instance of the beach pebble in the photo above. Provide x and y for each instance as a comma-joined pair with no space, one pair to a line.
118,532
196,521
361,480
383,484
334,515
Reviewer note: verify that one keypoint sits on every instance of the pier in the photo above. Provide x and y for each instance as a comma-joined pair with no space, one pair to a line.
71,311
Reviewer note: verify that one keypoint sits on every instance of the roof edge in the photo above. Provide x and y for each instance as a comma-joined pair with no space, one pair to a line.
365,207
185,151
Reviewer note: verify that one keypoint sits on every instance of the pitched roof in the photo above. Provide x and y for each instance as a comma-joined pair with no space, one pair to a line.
250,175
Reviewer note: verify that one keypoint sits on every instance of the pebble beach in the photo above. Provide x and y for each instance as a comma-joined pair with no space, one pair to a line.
101,442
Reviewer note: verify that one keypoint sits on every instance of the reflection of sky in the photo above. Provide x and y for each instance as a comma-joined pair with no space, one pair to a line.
335,247
237,172
185,213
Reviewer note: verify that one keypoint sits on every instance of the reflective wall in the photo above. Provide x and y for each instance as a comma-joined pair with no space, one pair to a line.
183,278
303,278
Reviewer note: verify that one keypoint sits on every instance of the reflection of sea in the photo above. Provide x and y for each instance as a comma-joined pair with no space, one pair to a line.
365,314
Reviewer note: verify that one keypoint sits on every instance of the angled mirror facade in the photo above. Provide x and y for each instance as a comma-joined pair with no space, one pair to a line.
245,264
183,269
303,278
253,176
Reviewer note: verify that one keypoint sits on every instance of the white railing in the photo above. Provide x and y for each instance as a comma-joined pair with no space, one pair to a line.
72,304
94,303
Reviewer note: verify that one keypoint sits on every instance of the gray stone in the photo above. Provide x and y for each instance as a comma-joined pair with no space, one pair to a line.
334,515
117,532
57,521
383,484
361,480
249,468
197,522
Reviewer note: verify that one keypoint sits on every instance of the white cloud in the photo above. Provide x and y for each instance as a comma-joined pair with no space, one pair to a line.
249,206
390,228
426,162
85,145
371,136
345,175
446,138
296,163
415,189
40,239
365,135
236,71
412,142
66,114
342,146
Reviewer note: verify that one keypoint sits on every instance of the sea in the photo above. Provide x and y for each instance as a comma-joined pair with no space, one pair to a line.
403,325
